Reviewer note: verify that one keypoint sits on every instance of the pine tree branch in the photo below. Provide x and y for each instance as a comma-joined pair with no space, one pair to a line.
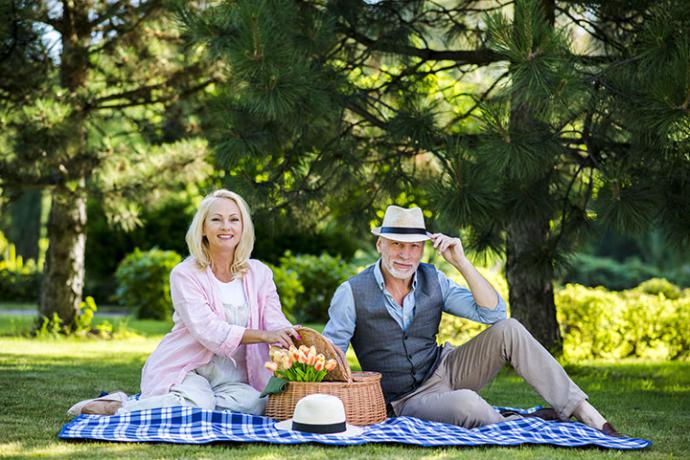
594,30
564,211
481,57
479,101
144,11
351,105
112,10
40,14
144,94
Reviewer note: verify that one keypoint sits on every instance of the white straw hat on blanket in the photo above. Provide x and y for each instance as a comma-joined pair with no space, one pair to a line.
320,414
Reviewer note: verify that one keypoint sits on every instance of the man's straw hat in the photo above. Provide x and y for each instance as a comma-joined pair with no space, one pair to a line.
401,224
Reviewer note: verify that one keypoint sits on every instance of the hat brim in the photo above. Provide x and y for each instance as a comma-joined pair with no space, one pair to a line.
404,238
352,430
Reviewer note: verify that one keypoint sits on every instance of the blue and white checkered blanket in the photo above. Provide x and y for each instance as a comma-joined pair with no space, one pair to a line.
187,425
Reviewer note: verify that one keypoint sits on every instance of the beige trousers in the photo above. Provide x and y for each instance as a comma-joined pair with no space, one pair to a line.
206,388
450,394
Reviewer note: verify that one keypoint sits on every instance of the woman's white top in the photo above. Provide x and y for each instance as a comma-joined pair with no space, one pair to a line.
236,313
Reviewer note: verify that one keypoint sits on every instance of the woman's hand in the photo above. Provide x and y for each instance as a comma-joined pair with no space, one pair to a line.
282,337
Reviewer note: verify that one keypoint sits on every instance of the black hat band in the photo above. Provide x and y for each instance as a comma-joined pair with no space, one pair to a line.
404,230
319,429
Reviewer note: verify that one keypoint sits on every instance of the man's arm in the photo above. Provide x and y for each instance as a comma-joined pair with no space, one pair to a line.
458,301
451,249
480,302
342,317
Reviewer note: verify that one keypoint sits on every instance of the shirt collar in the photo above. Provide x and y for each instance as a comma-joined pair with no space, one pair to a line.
378,275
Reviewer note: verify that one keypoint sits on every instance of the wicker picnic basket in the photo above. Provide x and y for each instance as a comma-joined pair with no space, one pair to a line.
360,392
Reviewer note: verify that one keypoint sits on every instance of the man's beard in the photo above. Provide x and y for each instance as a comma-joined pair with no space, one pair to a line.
398,274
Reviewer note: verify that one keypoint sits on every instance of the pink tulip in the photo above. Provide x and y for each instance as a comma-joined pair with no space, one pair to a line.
302,357
294,353
271,366
331,364
318,366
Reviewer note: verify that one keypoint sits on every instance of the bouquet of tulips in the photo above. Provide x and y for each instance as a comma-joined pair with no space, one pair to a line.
301,364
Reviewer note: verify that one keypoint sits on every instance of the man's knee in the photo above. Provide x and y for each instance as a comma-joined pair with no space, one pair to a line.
471,410
508,325
464,400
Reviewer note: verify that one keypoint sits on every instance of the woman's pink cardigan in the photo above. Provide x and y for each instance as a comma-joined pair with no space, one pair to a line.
200,330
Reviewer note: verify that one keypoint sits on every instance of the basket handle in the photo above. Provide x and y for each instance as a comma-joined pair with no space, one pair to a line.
342,362
312,337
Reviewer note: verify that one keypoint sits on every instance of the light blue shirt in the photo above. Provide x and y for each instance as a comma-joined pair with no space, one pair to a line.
457,301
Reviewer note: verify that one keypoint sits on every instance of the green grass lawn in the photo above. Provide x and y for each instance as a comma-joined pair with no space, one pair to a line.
40,379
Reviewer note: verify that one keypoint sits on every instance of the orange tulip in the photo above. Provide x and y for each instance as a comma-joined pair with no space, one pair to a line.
292,350
286,363
302,357
331,364
318,366
312,356
271,366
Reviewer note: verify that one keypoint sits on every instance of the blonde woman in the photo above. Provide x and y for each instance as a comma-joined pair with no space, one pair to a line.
227,312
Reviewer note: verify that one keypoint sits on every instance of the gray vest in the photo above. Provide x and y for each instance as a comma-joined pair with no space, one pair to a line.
404,358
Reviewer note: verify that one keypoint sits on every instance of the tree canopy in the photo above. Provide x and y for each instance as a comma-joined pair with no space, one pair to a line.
518,122
95,100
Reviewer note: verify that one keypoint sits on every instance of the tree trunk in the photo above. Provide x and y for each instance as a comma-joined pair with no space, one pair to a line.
529,272
63,276
531,289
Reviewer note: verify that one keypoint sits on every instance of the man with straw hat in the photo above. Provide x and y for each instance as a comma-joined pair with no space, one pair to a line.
391,311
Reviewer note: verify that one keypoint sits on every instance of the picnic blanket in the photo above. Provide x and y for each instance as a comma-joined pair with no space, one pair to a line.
188,425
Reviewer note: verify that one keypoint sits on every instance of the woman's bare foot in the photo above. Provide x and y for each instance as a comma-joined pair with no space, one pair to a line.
101,407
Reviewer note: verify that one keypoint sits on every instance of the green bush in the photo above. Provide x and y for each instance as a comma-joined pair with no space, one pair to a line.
650,321
657,286
143,282
289,288
311,281
18,286
596,323
20,281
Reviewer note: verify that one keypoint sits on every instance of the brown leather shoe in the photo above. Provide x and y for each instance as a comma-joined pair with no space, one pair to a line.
609,430
547,413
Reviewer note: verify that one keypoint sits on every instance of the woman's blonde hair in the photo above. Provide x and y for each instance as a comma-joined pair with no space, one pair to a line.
198,244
